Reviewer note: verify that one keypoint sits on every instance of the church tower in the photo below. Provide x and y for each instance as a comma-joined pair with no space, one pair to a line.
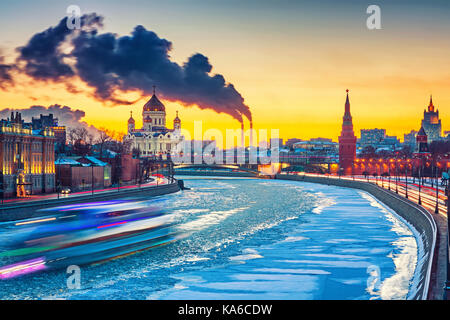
177,124
154,113
347,142
131,123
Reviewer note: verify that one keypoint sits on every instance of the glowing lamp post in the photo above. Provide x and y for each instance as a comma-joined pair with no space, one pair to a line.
445,181
436,210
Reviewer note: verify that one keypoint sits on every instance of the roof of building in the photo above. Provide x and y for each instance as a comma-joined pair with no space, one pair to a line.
177,120
96,161
421,132
316,142
67,161
131,120
76,161
154,104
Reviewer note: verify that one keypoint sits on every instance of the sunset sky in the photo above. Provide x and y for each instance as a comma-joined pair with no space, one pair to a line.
290,60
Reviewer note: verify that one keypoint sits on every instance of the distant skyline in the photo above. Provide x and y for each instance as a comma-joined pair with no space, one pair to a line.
290,61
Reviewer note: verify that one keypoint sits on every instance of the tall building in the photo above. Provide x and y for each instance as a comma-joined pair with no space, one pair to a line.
347,142
409,139
27,158
431,122
154,138
44,121
372,137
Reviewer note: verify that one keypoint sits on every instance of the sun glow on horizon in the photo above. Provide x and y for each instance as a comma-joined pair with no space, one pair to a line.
293,75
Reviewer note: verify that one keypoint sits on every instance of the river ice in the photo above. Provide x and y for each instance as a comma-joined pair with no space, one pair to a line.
255,239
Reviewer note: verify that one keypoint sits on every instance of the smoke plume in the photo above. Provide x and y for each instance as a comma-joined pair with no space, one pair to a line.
110,64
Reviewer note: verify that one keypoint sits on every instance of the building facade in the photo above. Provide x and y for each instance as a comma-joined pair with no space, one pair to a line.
27,158
409,139
347,142
48,121
317,146
431,122
82,173
154,138
290,142
372,137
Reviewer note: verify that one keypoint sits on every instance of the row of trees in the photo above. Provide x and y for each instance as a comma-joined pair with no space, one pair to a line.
82,142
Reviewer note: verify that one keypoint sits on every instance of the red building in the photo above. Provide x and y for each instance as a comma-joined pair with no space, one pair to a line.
347,142
130,167
82,173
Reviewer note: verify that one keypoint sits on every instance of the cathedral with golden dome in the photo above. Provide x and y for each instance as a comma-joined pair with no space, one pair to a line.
154,138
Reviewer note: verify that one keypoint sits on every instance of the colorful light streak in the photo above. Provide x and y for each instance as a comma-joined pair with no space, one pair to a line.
111,225
35,221
22,268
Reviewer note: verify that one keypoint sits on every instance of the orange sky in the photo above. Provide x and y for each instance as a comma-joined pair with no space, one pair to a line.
293,77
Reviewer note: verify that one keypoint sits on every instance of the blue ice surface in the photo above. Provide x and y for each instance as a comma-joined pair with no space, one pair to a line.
255,239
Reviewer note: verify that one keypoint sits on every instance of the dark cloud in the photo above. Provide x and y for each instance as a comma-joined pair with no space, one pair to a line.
108,63
5,74
71,118
42,56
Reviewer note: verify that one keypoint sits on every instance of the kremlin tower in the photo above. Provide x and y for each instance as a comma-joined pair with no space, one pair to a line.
422,143
347,142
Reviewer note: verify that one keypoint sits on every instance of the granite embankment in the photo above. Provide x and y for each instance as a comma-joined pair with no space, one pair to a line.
25,210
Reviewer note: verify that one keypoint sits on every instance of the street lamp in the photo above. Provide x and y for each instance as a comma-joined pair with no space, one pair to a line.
353,171
406,177
432,175
447,282
436,210
396,177
420,184
389,173
92,174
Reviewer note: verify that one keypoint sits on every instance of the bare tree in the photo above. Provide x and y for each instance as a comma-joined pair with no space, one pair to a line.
103,138
76,134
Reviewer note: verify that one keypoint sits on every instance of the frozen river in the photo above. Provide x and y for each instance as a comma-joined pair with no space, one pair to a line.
254,239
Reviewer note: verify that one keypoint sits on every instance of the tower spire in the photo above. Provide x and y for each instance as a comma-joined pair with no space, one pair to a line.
431,106
347,141
154,89
347,104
